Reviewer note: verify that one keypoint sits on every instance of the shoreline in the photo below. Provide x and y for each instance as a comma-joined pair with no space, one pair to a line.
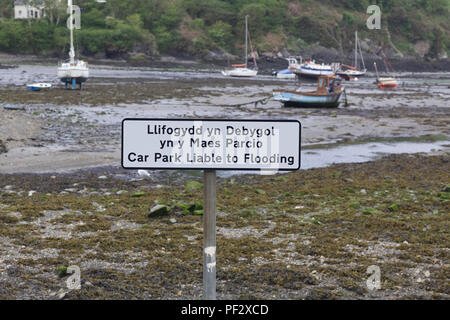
266,64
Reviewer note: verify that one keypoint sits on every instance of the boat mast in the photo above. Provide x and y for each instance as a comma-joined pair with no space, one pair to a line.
72,49
246,40
376,69
356,50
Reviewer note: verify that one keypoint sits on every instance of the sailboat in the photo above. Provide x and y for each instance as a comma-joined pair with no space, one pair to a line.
352,72
385,82
241,70
73,71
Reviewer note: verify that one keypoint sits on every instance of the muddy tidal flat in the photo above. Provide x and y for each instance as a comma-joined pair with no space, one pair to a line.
374,190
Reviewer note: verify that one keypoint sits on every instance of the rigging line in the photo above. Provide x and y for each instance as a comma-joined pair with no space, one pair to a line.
253,52
360,52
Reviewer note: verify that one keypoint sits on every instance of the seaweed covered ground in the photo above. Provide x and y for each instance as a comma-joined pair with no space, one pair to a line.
310,234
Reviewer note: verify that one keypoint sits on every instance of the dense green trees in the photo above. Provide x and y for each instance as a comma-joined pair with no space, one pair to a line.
193,27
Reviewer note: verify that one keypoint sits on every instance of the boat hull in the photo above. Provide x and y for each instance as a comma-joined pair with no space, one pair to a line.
286,74
73,73
301,100
387,83
314,70
38,86
240,72
350,74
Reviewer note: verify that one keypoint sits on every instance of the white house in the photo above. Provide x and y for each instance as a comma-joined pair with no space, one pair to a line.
24,10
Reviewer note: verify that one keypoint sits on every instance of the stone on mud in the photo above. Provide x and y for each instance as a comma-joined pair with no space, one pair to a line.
159,210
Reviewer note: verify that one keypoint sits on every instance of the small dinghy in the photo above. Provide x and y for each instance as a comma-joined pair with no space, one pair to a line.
287,73
39,86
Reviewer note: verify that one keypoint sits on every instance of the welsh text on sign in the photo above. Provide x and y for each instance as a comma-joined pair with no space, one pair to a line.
211,144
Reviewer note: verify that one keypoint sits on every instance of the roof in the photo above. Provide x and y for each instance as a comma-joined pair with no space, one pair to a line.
21,3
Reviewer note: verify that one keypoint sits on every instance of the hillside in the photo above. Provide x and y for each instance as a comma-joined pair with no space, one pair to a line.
211,29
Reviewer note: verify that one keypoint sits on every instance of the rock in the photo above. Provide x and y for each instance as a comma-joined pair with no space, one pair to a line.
355,205
62,295
158,210
61,271
393,208
363,191
143,173
315,275
121,192
8,187
103,177
173,220
138,194
193,186
31,192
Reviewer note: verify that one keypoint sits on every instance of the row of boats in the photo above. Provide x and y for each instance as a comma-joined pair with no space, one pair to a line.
329,76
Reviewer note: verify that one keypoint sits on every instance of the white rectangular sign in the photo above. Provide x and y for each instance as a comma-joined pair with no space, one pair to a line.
211,144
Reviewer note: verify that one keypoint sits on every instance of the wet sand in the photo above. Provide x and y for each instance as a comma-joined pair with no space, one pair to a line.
88,121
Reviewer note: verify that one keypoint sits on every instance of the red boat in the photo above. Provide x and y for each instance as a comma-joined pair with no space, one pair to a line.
387,83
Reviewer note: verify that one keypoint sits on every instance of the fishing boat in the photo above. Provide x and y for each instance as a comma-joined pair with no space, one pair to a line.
287,73
328,95
38,86
352,72
242,70
73,71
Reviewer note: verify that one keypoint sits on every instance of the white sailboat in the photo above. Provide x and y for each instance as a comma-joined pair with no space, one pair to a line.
352,72
241,70
73,71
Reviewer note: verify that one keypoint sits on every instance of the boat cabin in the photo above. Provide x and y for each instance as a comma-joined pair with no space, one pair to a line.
328,84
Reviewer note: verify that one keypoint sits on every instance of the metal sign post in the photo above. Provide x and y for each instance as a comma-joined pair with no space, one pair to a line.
209,236
267,146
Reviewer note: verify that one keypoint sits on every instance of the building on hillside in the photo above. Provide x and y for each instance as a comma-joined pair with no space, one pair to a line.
24,10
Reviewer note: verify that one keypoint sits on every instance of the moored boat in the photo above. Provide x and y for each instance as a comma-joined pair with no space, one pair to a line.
311,69
327,95
72,72
288,72
38,86
353,72
242,70
385,82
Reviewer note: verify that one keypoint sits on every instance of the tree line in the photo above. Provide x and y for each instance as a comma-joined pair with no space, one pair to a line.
194,27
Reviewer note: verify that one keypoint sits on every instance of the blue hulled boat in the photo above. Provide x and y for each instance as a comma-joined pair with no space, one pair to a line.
327,95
